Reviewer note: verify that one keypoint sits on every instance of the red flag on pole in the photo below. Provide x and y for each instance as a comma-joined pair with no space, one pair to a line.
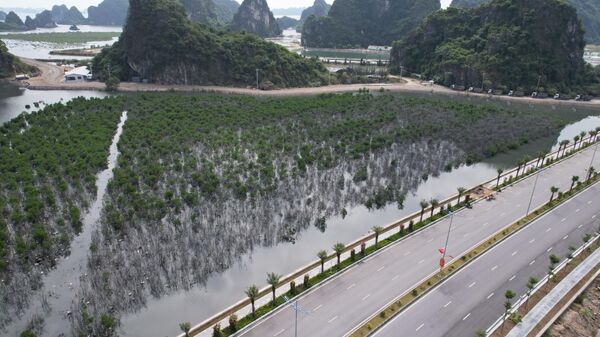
441,250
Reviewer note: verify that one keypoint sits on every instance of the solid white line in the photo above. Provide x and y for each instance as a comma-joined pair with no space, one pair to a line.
447,304
490,296
351,286
512,278
532,262
532,241
566,236
469,314
395,277
472,284
494,268
549,229
333,319
514,253
318,307
549,249
420,326
380,269
279,333
364,298
563,220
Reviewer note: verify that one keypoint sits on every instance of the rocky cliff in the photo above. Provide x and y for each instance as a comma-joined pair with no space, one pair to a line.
360,23
41,20
286,22
108,13
319,8
67,16
161,44
508,44
12,22
2,16
226,9
588,11
254,16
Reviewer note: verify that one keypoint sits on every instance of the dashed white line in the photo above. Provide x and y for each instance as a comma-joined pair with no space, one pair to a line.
466,235
532,262
364,298
532,241
512,278
494,268
579,226
318,307
447,304
406,254
563,220
485,224
514,253
333,319
589,202
428,241
577,210
395,277
566,236
490,296
469,314
380,269
594,216
279,333
549,249
472,284
351,286
503,214
421,261
420,326
549,229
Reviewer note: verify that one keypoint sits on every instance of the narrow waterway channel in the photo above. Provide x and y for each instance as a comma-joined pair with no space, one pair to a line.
53,301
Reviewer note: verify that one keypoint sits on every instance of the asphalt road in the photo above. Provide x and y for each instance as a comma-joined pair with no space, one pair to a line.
347,300
473,298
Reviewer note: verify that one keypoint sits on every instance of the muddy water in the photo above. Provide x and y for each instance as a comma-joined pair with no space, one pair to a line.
53,301
161,316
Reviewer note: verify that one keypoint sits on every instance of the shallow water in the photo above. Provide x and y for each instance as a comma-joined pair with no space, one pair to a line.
54,300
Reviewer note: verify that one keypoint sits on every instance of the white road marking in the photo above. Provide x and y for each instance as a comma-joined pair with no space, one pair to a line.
420,326
563,220
421,261
447,304
579,226
364,298
428,241
395,277
485,224
566,236
512,278
333,319
549,249
577,210
514,253
594,216
490,296
318,307
549,229
532,241
466,235
494,268
589,202
279,333
532,262
406,254
503,214
351,286
472,284
469,314
380,269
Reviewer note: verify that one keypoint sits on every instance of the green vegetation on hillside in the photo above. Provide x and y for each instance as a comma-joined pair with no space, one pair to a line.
506,44
48,163
360,23
160,44
254,16
588,10
11,65
70,37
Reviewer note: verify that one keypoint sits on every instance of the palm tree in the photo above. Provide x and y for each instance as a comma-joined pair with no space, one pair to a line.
323,257
592,136
377,230
273,280
582,136
509,295
252,293
460,191
185,327
530,286
574,180
339,248
553,190
575,140
564,144
500,171
542,157
424,204
434,204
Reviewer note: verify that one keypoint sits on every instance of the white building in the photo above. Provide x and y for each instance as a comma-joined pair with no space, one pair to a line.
79,74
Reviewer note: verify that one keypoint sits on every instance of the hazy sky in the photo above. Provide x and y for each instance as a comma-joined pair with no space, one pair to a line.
82,4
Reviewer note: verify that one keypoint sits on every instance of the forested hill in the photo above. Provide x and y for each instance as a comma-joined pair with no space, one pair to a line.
254,16
506,43
160,44
210,12
319,8
10,65
359,23
588,10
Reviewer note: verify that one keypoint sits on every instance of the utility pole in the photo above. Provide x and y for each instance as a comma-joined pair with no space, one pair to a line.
537,89
257,86
537,175
447,239
592,163
401,71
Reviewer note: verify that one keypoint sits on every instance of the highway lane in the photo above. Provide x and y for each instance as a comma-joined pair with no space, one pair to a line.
473,298
343,303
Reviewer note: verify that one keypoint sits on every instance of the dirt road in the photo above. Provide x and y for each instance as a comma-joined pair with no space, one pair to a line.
52,78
